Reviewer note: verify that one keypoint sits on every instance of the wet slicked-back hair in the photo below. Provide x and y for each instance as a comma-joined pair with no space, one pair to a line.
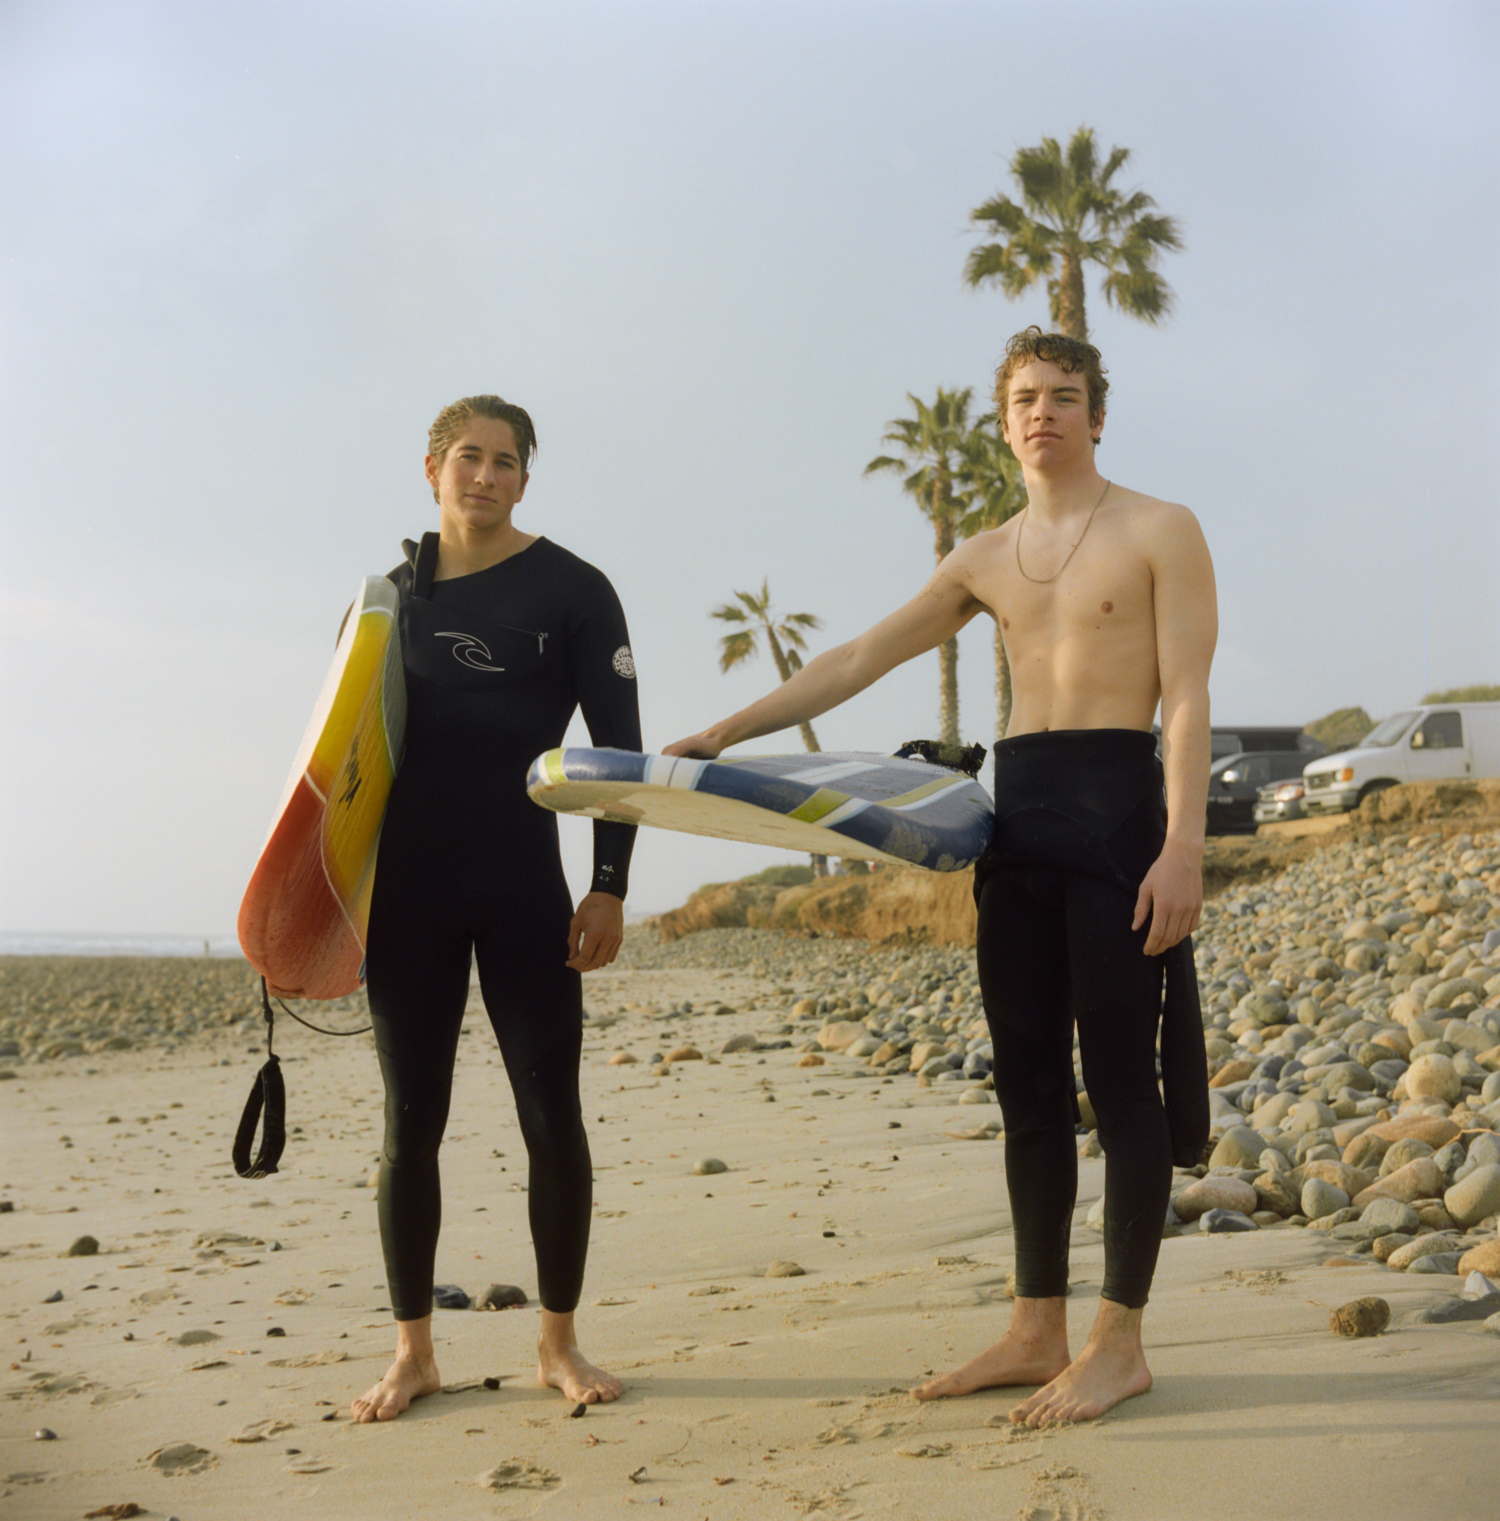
1070,354
452,420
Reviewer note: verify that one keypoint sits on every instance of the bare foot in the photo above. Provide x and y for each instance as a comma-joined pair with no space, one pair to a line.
1032,1351
560,1365
408,1378
568,1369
1009,1361
1111,1368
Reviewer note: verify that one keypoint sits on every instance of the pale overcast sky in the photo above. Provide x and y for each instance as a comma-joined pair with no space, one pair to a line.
249,250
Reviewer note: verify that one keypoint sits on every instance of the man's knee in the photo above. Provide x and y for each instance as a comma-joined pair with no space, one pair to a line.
413,1133
552,1127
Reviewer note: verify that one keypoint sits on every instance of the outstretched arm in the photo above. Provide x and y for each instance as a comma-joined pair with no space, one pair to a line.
936,613
1187,628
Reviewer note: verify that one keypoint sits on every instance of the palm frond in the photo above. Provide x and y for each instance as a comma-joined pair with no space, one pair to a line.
1069,207
734,648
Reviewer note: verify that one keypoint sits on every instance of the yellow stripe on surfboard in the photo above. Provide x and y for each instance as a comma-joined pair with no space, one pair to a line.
354,739
820,804
926,790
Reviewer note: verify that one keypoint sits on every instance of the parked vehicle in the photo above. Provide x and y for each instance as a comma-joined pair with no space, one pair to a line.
1235,781
1277,802
1437,742
1243,739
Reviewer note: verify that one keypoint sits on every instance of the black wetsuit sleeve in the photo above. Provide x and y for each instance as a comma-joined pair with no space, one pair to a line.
603,676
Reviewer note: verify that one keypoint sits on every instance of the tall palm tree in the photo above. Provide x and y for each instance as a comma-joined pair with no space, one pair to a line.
1071,214
932,455
786,642
784,638
992,491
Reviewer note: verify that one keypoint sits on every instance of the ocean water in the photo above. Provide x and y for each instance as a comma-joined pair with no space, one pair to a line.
14,944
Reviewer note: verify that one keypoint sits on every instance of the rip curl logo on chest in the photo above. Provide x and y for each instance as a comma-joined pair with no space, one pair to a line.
624,662
472,652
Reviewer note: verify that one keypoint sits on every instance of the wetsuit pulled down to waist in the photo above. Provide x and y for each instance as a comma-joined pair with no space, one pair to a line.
1092,801
1080,817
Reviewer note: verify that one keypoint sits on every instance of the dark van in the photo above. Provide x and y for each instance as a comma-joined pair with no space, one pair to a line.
1234,781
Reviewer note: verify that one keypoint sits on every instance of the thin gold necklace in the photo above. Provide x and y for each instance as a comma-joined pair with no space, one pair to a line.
1021,526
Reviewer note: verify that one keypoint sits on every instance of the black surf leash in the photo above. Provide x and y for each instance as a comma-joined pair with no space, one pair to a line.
266,1106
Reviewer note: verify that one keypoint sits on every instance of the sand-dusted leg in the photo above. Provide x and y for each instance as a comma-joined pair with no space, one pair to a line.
413,1374
1032,1351
1111,1367
560,1365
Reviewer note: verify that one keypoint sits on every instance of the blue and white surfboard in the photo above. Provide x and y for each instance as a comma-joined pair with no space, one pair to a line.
860,806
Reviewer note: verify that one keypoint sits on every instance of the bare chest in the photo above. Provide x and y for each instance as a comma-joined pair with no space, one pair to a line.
1041,588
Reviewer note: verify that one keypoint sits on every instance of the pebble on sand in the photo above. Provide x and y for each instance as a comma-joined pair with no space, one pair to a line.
500,1296
1475,1197
1222,1222
1320,1198
1214,1192
1361,1317
1419,1179
785,1270
1424,1246
705,1166
1484,1258
84,1246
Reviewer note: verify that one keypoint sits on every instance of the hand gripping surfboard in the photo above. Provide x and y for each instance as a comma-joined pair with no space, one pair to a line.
305,914
865,807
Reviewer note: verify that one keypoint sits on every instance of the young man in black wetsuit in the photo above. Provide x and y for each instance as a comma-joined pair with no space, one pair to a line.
1105,598
503,635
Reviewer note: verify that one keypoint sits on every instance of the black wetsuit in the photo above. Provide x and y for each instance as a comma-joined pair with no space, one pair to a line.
1080,817
495,664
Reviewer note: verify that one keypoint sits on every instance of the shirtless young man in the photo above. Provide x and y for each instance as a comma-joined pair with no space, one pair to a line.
1106,600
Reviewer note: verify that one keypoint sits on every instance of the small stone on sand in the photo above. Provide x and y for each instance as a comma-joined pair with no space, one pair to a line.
1361,1317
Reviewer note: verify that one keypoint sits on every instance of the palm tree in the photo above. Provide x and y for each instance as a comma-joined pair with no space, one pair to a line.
785,639
932,451
992,491
1071,214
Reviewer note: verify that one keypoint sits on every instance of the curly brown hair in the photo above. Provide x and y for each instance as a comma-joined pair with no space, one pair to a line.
452,419
1070,354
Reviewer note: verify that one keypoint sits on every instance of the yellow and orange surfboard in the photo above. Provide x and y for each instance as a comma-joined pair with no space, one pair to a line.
305,914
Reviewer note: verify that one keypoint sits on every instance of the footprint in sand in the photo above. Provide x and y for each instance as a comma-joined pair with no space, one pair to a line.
182,1458
868,1430
1060,1493
518,1473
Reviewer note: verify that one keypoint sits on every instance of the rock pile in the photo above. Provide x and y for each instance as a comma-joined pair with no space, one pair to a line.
1352,1021
1352,1015
56,1006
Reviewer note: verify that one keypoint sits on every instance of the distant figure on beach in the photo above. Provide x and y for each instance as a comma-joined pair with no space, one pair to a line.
503,634
1105,598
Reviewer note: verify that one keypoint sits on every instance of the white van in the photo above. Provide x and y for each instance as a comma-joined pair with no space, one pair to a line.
1451,741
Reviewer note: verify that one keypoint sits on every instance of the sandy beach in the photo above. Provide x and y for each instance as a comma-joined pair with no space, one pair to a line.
200,1364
